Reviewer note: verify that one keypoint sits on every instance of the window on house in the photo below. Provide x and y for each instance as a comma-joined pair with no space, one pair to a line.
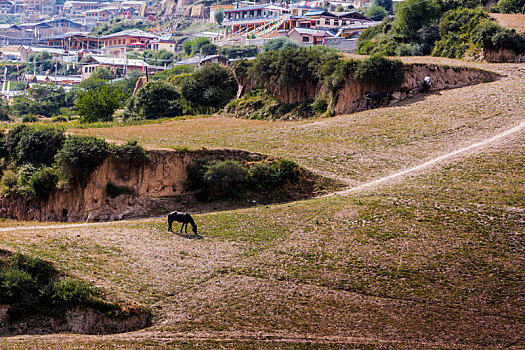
306,39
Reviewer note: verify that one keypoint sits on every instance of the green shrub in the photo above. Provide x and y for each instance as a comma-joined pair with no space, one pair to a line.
270,176
41,99
377,13
43,182
79,156
383,72
511,6
8,183
224,173
30,285
319,105
59,119
29,118
71,292
34,145
239,51
156,99
98,104
114,191
210,87
130,153
279,44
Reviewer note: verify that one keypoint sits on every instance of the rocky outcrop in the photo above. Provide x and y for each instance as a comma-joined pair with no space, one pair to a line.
351,98
155,184
80,320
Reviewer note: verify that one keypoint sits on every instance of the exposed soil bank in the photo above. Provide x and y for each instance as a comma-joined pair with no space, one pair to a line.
76,320
153,187
351,98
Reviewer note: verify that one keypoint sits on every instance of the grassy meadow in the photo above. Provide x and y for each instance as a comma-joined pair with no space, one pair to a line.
434,260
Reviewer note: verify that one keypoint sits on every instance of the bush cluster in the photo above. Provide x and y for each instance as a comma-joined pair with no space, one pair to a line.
36,158
156,99
447,28
79,156
30,285
219,179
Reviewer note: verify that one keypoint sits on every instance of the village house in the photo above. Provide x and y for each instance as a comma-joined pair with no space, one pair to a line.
257,19
163,44
201,61
74,41
62,55
77,7
118,66
309,36
93,18
117,44
12,34
44,29
39,7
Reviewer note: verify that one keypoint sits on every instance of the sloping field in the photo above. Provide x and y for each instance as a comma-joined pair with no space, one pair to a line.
511,20
435,260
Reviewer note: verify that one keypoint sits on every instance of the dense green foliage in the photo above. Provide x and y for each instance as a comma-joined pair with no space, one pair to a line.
210,87
79,156
41,99
278,44
239,51
193,47
291,66
377,13
388,5
219,179
412,15
455,29
446,28
382,72
219,16
156,99
129,153
511,6
98,104
30,285
36,146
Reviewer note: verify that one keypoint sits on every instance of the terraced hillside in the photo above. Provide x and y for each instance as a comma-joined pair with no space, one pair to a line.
433,259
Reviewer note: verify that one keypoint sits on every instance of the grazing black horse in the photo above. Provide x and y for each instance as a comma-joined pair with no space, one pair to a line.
185,218
377,98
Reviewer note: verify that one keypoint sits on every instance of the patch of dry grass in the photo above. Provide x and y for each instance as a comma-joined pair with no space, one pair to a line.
358,147
434,261
511,20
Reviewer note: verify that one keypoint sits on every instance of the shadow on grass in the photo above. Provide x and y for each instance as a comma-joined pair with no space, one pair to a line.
185,235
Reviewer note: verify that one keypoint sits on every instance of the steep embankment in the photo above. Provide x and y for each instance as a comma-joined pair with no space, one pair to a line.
155,184
341,91
351,97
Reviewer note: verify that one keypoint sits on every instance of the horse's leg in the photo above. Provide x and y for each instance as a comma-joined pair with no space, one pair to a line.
169,224
186,228
181,227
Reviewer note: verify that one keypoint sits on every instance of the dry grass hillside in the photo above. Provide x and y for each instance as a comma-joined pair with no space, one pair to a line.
511,21
434,260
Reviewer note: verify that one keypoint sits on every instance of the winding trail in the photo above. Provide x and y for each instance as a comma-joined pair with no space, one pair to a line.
386,179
